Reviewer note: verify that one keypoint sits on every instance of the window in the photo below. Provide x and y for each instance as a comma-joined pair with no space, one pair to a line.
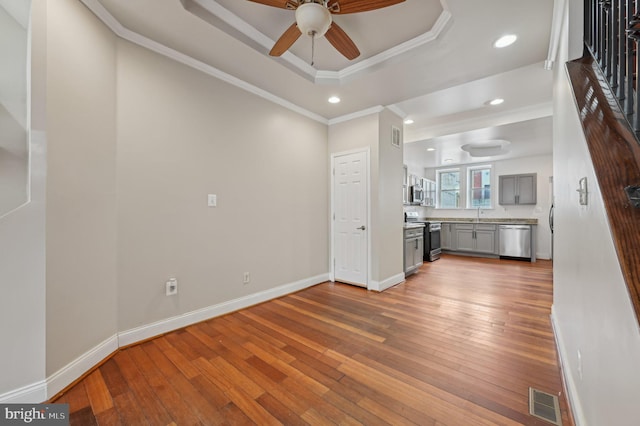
448,189
479,187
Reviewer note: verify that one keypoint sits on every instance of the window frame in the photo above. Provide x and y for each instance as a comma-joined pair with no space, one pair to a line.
470,189
439,172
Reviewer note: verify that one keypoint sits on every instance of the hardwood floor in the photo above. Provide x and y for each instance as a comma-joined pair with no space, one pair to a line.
459,343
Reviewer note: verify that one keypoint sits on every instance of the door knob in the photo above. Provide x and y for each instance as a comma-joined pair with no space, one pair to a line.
362,228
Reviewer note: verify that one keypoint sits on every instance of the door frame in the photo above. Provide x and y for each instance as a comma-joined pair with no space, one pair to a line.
332,263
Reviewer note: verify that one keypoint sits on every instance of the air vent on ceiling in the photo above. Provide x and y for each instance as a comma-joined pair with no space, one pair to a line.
544,406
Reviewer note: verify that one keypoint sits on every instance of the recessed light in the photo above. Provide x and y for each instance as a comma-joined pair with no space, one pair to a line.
431,149
505,41
334,100
496,101
408,121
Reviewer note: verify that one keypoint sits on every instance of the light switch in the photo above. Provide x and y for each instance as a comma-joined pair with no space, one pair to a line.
212,200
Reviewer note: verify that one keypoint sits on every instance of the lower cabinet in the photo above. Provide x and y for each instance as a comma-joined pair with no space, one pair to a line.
446,237
464,236
413,250
475,237
486,241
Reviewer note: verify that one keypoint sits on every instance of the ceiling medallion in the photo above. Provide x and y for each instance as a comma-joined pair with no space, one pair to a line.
487,148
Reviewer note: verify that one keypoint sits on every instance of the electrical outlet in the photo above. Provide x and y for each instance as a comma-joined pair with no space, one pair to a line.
171,286
246,278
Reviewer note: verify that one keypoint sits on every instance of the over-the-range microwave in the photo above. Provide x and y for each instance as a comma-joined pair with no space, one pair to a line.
416,194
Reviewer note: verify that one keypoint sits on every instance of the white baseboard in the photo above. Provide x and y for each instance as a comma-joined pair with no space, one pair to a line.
157,328
33,393
572,391
76,368
41,391
389,282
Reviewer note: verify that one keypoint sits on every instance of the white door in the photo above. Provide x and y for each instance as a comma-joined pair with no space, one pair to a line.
350,228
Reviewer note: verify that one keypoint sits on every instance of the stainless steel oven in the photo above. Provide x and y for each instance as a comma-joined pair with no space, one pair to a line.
432,247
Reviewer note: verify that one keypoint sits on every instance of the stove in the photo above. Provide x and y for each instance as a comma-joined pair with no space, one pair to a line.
432,247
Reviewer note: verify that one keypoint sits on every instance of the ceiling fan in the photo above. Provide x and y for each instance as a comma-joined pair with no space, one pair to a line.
313,18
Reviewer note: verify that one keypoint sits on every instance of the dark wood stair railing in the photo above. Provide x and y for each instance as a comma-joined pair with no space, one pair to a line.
605,84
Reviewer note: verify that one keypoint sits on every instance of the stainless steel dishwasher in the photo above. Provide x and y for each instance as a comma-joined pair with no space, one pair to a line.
515,241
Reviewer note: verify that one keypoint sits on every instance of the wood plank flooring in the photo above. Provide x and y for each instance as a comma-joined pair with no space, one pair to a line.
459,344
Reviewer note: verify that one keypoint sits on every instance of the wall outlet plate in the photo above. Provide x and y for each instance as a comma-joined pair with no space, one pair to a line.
171,287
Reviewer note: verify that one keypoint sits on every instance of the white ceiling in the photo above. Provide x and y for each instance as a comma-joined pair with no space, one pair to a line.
429,60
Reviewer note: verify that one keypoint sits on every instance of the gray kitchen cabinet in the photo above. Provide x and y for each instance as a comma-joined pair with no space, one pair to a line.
486,238
429,188
405,184
447,241
476,237
517,189
413,250
464,236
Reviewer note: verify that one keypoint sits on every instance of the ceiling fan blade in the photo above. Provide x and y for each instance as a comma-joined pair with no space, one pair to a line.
275,3
342,7
342,42
286,40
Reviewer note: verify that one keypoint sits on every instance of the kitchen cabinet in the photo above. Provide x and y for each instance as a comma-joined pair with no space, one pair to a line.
476,237
413,250
517,189
446,237
486,241
405,184
464,236
429,187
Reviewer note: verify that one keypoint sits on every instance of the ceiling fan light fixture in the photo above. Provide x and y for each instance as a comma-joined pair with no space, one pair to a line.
313,19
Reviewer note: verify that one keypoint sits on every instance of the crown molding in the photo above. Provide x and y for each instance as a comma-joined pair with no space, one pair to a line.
225,20
110,21
397,111
118,29
394,53
348,117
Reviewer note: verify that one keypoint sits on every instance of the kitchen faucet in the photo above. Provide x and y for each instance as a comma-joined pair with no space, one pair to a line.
478,215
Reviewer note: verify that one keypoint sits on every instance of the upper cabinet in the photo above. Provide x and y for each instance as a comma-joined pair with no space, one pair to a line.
429,187
517,189
405,184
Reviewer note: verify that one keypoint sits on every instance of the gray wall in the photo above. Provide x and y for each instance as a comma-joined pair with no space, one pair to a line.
133,143
81,183
14,156
390,237
373,132
183,135
22,244
592,313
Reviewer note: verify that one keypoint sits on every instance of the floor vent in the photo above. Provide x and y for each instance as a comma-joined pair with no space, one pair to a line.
544,406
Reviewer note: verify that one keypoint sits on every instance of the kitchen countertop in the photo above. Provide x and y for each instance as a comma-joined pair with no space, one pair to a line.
411,225
496,220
